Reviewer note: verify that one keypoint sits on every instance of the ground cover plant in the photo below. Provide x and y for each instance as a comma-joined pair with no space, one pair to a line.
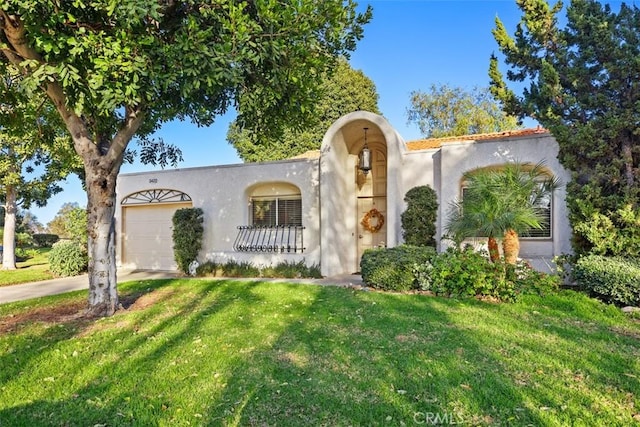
207,352
32,267
282,270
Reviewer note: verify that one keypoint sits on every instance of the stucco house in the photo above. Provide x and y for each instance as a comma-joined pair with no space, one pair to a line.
311,208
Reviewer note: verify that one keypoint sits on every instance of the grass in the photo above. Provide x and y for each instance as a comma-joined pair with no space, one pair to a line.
206,352
33,269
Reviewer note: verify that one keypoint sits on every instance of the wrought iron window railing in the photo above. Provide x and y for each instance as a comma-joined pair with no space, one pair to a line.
263,238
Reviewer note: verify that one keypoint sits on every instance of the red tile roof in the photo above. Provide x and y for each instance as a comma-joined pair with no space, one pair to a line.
432,143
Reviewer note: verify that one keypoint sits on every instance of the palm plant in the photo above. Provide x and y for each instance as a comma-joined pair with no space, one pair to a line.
501,203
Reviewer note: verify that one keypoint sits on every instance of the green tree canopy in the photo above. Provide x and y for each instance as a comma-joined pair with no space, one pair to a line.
118,70
35,154
582,82
342,90
70,223
454,111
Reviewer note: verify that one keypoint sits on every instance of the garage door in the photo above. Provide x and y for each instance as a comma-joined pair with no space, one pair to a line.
147,243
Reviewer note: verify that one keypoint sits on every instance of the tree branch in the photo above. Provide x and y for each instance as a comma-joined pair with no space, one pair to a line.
134,116
15,33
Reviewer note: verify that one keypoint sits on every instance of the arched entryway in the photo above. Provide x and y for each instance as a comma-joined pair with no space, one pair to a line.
348,195
371,196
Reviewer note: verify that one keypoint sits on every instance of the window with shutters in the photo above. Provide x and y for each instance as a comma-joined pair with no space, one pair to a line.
276,211
544,208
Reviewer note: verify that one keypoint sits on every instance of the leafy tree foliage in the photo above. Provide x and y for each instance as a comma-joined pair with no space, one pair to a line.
453,111
29,222
342,91
70,223
34,155
118,70
582,82
419,219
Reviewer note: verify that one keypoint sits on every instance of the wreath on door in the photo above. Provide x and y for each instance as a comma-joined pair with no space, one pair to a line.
367,223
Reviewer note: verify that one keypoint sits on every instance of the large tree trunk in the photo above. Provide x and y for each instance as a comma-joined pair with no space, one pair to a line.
101,192
9,238
511,246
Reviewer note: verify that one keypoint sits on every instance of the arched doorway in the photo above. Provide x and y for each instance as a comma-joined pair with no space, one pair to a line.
347,195
372,202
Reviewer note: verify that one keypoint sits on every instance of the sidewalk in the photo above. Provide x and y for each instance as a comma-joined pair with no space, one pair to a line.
68,284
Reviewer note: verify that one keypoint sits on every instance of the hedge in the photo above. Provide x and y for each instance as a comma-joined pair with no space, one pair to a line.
611,279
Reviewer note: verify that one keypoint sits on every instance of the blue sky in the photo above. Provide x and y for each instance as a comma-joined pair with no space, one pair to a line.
407,46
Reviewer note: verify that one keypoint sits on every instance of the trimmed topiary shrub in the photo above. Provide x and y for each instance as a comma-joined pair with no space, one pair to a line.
187,236
68,258
44,240
419,219
392,268
611,279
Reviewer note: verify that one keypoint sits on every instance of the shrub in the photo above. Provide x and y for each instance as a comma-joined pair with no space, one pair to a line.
392,268
240,269
291,270
465,273
418,220
612,279
529,281
208,268
67,258
615,234
43,240
284,269
187,236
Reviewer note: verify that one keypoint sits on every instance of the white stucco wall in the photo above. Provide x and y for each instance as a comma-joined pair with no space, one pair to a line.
222,192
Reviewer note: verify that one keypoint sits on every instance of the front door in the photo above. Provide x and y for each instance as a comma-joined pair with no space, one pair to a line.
368,237
372,200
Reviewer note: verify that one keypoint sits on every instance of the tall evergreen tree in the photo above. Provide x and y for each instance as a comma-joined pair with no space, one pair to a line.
582,82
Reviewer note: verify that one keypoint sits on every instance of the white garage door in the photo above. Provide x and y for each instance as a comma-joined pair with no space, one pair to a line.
146,236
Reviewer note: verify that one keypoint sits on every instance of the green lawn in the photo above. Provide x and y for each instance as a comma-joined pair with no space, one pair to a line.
204,352
34,269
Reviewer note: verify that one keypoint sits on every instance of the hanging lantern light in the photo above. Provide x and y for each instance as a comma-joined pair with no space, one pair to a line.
364,158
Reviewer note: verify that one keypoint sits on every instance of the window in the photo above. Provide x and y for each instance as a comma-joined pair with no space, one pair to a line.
544,207
278,211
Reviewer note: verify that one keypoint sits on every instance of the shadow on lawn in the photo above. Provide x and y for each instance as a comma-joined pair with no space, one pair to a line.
62,321
362,359
102,399
312,356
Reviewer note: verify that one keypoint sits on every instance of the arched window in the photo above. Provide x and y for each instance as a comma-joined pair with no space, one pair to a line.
543,203
162,195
